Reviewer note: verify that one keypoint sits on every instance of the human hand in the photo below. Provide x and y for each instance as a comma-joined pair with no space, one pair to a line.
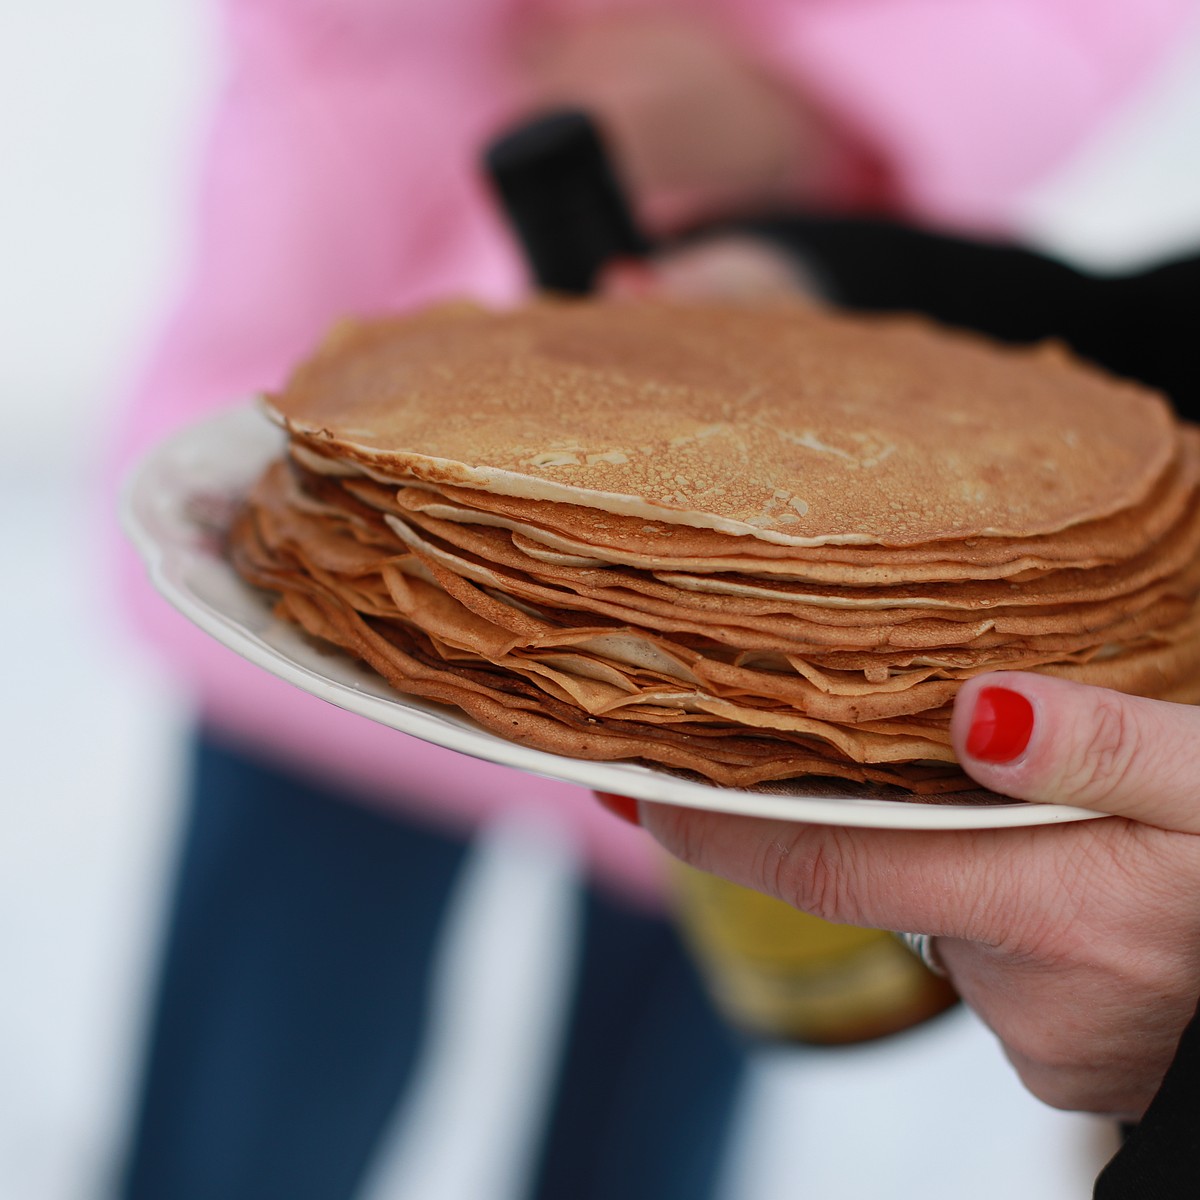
730,267
697,129
1078,944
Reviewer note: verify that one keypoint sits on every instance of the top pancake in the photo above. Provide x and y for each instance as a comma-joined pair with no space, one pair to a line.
788,424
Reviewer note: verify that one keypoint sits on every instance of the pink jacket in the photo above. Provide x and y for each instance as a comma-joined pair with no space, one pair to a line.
339,178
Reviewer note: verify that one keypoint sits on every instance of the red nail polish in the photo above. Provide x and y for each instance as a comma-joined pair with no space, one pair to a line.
620,806
1001,725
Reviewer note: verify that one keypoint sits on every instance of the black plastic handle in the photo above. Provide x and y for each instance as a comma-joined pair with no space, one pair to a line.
561,195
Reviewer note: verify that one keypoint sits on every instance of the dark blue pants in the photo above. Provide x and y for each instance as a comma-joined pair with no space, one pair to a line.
290,1010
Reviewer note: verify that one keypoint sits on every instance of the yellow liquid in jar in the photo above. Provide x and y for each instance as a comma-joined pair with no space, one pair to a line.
780,973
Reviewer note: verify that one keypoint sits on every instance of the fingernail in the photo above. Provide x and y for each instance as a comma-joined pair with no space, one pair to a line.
620,806
1001,725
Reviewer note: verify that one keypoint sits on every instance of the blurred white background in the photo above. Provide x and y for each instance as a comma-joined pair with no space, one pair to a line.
100,109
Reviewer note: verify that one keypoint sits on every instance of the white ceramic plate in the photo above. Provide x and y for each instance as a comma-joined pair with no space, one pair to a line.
176,508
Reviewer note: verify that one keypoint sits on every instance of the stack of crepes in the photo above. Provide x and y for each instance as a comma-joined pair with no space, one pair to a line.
750,544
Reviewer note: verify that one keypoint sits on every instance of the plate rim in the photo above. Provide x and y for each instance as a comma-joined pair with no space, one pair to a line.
165,557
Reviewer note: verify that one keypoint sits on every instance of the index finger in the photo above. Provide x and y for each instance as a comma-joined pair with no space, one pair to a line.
970,884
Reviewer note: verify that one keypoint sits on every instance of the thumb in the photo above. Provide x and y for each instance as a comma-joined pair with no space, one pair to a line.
1034,737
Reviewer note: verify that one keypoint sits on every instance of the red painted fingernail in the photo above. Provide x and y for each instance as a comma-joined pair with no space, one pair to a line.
620,806
1001,725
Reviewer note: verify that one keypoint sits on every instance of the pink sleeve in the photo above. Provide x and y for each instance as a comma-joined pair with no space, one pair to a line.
968,101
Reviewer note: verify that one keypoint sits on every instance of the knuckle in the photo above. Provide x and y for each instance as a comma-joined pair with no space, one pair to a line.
1099,764
825,893
809,872
682,834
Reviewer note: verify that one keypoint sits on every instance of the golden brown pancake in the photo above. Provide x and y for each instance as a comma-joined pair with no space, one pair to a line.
752,545
785,424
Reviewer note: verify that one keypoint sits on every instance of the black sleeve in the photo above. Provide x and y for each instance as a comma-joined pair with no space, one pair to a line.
1142,325
1160,1159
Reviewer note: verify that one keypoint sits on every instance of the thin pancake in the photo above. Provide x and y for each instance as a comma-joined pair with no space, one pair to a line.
789,424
